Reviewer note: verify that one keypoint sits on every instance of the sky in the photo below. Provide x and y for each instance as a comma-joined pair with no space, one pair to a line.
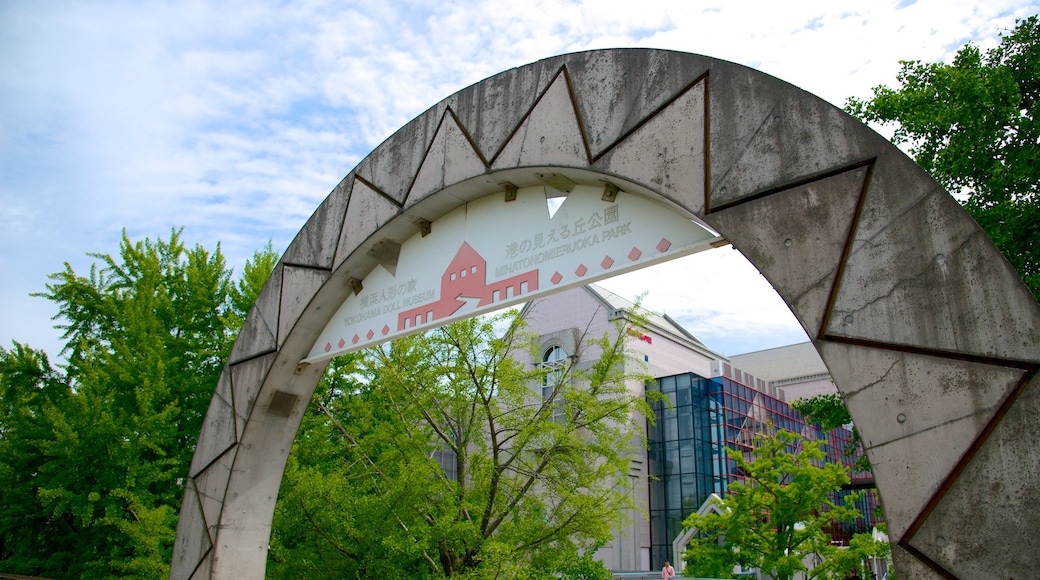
234,119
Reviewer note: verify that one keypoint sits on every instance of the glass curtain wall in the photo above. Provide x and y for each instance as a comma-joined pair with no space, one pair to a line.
687,452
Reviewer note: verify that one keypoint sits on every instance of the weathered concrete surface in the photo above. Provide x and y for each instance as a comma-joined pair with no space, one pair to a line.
925,328
800,254
918,416
985,526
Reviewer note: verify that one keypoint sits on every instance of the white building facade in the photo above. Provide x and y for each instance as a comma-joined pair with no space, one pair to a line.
685,461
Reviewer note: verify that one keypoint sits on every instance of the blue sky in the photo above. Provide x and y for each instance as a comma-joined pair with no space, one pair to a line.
234,119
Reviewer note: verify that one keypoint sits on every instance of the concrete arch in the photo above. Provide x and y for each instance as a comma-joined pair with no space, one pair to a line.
927,331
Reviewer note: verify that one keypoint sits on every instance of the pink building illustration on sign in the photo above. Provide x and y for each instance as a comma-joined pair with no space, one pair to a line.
466,277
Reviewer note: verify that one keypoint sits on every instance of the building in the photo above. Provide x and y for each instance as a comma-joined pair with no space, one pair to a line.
465,279
717,402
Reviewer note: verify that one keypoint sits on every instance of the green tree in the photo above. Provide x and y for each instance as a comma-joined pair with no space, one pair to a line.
972,124
779,516
93,453
830,412
436,455
244,292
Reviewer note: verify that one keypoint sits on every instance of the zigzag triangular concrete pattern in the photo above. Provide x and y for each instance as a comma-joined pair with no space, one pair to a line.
190,547
775,136
210,486
258,332
797,238
450,160
491,110
366,212
246,378
916,259
393,164
299,285
910,406
667,152
315,245
218,426
662,76
255,337
549,135
950,535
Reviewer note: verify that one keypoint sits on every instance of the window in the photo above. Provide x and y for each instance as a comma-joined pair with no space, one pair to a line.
554,361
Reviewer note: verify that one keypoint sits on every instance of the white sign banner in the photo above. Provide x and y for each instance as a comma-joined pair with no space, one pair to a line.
491,254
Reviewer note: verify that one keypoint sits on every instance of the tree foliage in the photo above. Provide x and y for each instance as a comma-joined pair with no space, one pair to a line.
973,125
436,455
779,516
830,412
93,452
